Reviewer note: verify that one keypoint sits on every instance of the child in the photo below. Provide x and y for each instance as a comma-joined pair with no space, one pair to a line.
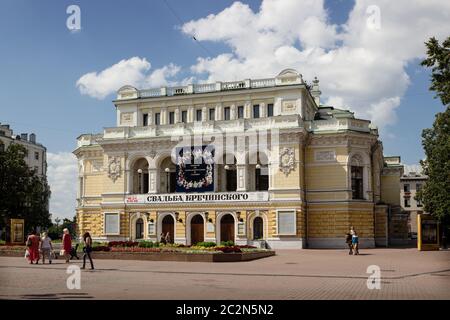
355,242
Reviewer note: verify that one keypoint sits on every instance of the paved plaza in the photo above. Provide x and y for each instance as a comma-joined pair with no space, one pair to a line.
291,274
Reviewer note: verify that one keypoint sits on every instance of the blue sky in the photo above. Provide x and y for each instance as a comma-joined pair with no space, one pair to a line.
41,61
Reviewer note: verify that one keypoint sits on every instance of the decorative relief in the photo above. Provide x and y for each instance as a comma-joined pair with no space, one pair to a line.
114,168
287,161
329,155
126,118
289,106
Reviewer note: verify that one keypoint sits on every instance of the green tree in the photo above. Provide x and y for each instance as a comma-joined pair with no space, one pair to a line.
435,195
23,194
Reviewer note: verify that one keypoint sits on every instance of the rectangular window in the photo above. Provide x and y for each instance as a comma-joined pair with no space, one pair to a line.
256,111
145,119
226,113
419,203
212,113
157,118
199,115
407,202
357,182
171,117
184,116
406,187
240,112
112,223
270,110
36,155
286,222
418,187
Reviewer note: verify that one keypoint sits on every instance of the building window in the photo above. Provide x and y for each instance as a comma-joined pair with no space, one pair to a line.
199,115
406,187
171,117
286,222
258,228
157,118
240,112
36,155
139,228
226,113
419,203
407,202
184,116
418,187
261,179
145,119
212,114
112,223
357,182
270,110
256,111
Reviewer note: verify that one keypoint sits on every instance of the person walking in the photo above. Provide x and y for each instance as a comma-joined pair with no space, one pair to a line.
46,248
33,247
67,244
163,238
167,237
348,240
355,243
87,250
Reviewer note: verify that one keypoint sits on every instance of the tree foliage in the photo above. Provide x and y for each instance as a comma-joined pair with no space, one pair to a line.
23,194
435,195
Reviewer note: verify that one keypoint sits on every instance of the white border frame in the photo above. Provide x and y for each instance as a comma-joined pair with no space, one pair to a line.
295,222
104,223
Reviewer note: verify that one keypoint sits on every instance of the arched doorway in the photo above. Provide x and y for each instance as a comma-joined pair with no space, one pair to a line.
258,228
227,228
197,229
139,228
168,226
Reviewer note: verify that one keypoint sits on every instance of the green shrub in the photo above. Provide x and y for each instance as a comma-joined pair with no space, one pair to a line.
146,244
227,243
206,244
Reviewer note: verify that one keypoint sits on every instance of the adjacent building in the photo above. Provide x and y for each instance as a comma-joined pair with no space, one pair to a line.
37,154
252,161
410,183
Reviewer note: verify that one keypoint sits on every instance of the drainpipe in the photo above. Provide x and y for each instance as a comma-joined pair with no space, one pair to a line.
387,225
304,194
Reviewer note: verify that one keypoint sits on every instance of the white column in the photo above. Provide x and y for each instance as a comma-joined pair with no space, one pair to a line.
262,110
150,117
219,112
205,114
152,180
129,186
177,115
247,109
191,114
241,177
233,113
164,116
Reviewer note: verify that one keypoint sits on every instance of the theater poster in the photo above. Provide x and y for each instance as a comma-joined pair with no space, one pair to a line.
195,169
17,230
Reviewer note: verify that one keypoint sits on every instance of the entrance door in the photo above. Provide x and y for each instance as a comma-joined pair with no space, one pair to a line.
258,232
227,228
139,229
168,226
197,229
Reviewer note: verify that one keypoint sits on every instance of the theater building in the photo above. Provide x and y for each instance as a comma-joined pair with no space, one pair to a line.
244,161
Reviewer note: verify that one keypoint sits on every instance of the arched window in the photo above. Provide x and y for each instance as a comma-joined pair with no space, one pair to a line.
258,228
139,229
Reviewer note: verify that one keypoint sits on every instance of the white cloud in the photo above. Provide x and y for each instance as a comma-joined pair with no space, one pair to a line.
134,71
62,175
359,67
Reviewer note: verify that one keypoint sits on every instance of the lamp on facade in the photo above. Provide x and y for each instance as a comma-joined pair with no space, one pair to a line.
226,167
177,216
258,166
139,171
167,170
238,215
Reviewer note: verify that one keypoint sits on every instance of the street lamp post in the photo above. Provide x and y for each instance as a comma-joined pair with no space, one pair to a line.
139,180
167,170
